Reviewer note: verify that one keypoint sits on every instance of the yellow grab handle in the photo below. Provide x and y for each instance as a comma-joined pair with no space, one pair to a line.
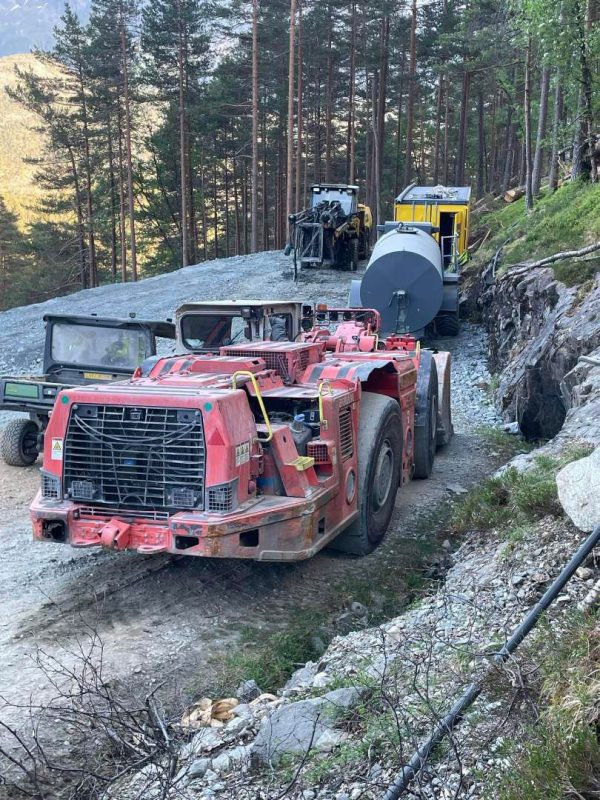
322,383
261,403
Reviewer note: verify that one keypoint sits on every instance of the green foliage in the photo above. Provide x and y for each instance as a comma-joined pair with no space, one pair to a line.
561,755
270,658
506,443
564,220
514,498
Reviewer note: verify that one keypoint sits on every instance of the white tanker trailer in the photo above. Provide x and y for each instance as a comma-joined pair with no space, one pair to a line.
413,274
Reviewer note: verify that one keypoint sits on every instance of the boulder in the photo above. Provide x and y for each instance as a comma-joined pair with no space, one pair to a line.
579,490
308,724
247,691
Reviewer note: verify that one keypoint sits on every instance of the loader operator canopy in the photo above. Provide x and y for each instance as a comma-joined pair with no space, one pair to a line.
209,332
204,327
98,346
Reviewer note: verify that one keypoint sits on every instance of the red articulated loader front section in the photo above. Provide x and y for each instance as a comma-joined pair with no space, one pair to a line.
269,451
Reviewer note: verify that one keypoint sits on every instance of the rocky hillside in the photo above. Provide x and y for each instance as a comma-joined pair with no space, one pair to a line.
542,322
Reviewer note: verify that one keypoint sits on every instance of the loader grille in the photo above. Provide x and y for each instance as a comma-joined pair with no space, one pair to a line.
135,458
346,433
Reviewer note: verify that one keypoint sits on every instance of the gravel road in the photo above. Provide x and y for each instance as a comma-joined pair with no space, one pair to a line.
168,619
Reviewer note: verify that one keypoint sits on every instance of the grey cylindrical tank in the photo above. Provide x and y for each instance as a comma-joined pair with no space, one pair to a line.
404,280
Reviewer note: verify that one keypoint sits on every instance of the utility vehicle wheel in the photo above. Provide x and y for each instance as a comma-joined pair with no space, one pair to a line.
426,416
19,444
447,325
379,465
354,255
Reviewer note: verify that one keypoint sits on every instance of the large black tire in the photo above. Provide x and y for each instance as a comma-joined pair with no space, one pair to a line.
379,464
426,416
19,443
353,255
447,325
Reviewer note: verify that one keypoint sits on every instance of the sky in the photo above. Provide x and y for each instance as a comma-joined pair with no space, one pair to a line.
25,24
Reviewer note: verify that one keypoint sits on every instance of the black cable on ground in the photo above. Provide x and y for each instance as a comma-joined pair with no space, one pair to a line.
417,762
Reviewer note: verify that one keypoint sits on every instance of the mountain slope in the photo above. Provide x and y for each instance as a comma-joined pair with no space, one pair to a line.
19,140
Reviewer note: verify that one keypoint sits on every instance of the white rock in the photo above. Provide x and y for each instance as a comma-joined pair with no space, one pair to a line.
579,490
321,680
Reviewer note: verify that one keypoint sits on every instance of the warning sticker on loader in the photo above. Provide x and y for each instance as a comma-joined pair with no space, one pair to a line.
242,453
57,450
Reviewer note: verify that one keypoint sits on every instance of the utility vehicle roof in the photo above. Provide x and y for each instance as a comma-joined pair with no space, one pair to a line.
162,328
435,194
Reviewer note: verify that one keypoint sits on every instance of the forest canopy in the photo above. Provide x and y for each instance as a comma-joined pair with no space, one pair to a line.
183,130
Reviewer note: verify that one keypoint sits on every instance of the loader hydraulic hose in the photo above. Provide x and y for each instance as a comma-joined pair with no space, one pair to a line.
419,759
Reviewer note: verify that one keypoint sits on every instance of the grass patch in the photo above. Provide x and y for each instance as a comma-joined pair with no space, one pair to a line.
574,273
514,499
561,756
565,220
270,658
508,444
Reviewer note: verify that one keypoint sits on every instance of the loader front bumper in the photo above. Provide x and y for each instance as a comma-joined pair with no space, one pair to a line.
270,529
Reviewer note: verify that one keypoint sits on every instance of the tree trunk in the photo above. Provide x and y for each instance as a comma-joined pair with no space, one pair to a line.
93,276
481,154
557,115
447,119
328,100
399,128
438,123
128,153
410,109
289,172
236,207
350,136
113,202
204,217
536,177
245,207
462,128
254,181
381,103
83,273
509,147
215,211
317,129
226,209
299,198
183,182
122,202
527,117
264,204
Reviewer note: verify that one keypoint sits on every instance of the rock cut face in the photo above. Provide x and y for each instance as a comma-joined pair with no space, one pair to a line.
538,329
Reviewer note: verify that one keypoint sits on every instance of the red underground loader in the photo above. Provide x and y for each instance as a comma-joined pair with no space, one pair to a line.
268,450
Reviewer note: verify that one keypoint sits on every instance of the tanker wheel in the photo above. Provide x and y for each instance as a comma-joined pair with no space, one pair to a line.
426,416
447,324
353,255
379,465
19,444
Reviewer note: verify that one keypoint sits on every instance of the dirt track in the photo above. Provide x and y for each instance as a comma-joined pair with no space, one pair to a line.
167,620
